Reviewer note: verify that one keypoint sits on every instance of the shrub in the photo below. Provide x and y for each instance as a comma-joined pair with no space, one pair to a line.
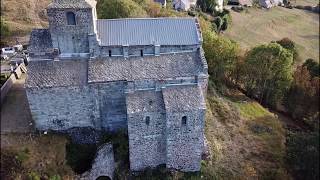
303,154
80,156
33,176
313,67
291,46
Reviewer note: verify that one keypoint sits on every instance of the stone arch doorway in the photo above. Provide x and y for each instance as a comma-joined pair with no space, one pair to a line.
103,178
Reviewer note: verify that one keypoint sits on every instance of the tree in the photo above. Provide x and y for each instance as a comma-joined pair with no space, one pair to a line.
291,46
207,5
221,55
303,97
268,73
111,9
313,67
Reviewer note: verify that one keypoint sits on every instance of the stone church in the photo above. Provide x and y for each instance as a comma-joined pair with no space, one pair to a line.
146,75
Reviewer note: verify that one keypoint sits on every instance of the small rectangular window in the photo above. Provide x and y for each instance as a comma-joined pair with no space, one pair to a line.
141,52
184,120
109,53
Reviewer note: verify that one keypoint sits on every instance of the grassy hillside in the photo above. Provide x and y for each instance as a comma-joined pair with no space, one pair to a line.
246,140
21,16
257,26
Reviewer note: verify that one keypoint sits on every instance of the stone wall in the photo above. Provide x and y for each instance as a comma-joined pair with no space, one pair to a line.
112,104
185,141
146,129
146,141
61,108
71,38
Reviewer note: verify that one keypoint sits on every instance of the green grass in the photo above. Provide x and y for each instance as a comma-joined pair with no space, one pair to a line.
259,26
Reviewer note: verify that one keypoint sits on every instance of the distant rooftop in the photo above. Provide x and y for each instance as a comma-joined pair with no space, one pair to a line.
147,31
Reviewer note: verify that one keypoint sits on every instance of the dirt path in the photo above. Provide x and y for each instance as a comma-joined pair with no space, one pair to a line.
15,112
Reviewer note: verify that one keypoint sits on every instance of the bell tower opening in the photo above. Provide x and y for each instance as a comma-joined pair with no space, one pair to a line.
71,18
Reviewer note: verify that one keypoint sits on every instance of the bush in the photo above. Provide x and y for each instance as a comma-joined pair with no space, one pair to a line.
303,154
291,46
80,156
313,67
33,176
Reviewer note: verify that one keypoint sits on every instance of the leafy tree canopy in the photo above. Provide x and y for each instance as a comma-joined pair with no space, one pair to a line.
313,67
268,72
111,9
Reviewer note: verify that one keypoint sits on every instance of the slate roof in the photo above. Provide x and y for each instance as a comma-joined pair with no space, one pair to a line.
183,98
70,4
56,73
147,31
147,67
40,40
145,101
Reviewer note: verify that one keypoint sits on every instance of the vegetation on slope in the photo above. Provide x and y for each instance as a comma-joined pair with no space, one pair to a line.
258,26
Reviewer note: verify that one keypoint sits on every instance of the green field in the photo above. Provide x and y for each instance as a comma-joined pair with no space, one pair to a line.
257,26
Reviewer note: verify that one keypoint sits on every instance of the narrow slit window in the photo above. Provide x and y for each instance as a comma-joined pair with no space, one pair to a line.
71,18
109,53
141,52
184,120
148,120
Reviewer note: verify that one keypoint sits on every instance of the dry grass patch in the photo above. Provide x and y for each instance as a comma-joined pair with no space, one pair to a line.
34,155
246,140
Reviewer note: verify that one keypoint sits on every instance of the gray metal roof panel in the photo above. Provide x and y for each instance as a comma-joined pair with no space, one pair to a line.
147,31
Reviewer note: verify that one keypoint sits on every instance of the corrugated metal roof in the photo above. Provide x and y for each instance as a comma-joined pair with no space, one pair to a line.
148,31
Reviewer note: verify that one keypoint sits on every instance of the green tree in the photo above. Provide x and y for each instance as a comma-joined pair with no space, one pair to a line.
111,9
221,55
207,5
313,67
268,73
291,46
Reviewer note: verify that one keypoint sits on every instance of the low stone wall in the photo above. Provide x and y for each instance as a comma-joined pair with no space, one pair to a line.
10,81
7,86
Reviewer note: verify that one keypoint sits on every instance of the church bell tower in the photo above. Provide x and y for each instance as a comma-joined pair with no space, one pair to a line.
70,24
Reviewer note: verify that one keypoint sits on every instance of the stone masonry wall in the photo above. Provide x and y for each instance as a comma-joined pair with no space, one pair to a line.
112,104
70,38
185,142
146,142
61,108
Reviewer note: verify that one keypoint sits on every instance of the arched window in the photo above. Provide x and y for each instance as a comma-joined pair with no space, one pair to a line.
184,120
147,120
71,18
